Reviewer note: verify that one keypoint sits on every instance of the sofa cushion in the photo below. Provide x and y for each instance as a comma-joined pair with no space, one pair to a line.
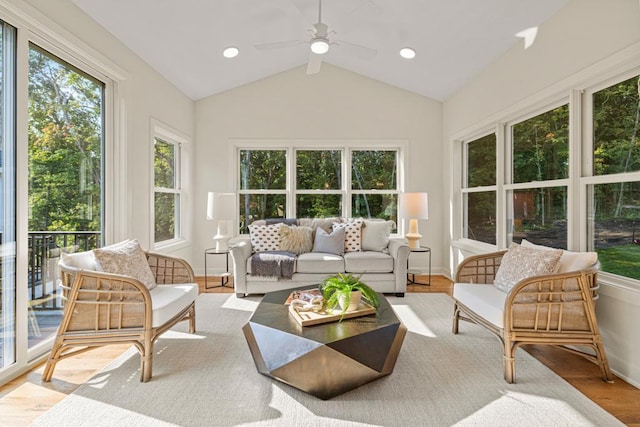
318,262
569,261
295,239
353,234
329,243
521,262
82,260
375,235
485,300
368,262
168,300
265,237
126,258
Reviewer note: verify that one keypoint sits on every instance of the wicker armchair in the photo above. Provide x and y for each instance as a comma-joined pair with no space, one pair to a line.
554,309
102,308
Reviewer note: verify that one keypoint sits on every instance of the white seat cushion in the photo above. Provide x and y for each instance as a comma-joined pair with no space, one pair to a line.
82,260
319,262
485,300
368,262
169,300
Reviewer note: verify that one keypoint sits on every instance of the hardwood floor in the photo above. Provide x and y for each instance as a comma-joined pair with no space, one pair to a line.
25,398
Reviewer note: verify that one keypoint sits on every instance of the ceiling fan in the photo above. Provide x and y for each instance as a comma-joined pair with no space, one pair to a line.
320,44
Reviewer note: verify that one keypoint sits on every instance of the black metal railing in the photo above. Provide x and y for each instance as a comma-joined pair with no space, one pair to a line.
45,249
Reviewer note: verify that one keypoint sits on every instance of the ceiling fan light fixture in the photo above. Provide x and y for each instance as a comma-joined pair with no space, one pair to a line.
407,53
319,46
230,52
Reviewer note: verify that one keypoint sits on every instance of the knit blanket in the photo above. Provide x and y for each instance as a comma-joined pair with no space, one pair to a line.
273,264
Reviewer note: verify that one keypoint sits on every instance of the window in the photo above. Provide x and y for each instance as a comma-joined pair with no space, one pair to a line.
537,197
614,189
167,191
323,180
479,192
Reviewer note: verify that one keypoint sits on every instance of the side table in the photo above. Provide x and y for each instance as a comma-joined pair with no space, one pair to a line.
224,277
411,272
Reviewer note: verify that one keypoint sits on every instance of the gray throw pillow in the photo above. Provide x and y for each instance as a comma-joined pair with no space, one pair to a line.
375,235
329,243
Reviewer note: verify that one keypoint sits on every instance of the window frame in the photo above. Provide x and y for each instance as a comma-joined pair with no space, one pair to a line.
167,134
346,146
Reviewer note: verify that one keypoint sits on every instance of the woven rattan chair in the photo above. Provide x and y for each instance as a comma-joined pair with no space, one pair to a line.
554,309
102,308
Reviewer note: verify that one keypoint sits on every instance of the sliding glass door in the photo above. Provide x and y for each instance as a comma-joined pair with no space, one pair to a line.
65,187
7,196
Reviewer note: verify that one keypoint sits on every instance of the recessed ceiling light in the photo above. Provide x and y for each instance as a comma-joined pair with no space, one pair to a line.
407,53
230,52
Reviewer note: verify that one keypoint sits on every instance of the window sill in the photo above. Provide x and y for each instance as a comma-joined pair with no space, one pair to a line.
169,246
473,246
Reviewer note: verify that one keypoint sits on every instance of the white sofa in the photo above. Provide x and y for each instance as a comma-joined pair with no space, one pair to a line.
384,270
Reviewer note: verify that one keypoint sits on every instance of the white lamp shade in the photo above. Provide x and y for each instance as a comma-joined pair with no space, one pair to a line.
221,206
414,205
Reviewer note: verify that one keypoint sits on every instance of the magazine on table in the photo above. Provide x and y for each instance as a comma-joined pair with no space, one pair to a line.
305,296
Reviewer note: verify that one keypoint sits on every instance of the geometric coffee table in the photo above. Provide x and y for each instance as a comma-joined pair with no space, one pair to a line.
323,360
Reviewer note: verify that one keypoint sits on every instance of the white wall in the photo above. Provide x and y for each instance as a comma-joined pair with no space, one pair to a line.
147,95
585,39
332,105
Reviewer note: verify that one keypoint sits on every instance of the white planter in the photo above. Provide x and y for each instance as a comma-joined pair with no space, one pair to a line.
354,302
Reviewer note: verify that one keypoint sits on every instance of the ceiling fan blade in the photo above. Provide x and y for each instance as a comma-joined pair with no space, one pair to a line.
279,45
357,50
314,64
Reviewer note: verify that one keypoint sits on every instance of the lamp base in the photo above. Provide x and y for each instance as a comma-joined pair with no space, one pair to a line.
222,242
414,240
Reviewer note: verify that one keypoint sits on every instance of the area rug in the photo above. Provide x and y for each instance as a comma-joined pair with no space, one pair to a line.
440,379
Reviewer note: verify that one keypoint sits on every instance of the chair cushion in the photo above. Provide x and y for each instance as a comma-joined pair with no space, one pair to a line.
82,260
522,262
125,258
169,300
318,262
368,262
569,261
485,300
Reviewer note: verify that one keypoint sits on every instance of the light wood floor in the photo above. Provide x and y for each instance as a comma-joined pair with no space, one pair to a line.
25,398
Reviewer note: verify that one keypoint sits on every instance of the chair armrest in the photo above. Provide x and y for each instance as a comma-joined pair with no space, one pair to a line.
560,302
240,249
480,269
168,269
399,251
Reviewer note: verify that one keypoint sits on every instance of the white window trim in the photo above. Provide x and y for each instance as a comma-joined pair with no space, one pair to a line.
170,135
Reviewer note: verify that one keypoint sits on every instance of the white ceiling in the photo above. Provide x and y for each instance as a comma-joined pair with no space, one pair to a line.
454,39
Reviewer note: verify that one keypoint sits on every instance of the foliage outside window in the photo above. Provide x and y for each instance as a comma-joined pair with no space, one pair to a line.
167,192
540,156
319,186
479,193
614,201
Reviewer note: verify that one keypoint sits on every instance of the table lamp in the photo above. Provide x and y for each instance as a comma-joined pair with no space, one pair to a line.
414,206
221,207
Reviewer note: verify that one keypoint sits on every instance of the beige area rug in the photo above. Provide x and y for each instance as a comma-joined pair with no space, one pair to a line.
440,379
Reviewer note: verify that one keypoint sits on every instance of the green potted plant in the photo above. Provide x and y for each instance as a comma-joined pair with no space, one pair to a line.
345,291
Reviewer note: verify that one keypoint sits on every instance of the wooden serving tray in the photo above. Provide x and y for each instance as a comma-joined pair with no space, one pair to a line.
308,318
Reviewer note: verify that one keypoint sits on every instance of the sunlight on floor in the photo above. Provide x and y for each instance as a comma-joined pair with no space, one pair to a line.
412,321
246,304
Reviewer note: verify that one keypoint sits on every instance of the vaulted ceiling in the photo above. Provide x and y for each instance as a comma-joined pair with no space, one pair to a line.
454,39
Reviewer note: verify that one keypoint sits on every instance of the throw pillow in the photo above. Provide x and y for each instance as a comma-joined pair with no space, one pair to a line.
295,239
329,243
353,234
265,237
375,235
521,262
126,258
569,261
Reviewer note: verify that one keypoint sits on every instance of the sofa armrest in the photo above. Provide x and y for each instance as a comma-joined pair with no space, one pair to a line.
479,269
399,251
240,248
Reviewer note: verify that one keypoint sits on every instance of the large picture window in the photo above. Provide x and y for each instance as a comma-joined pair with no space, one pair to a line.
323,183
